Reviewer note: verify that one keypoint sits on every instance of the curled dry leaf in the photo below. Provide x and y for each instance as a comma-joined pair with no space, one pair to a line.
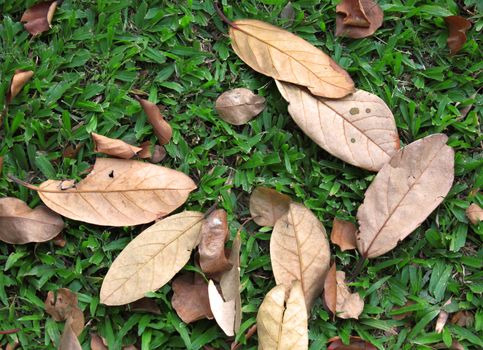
359,129
239,106
355,343
343,234
69,340
38,18
441,321
457,27
403,194
299,250
268,205
283,326
20,225
97,342
62,306
474,213
358,18
19,79
59,240
146,305
114,147
190,298
214,233
157,154
118,193
152,258
284,56
223,311
162,129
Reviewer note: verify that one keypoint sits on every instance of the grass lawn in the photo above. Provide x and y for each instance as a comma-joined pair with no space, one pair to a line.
177,52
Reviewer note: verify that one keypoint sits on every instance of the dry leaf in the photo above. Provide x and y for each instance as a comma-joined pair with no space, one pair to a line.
69,340
152,258
284,56
474,213
63,306
114,147
162,129
358,18
268,205
59,240
463,318
19,79
239,106
343,234
158,152
457,27
38,18
146,305
359,129
20,225
330,289
403,194
190,298
223,311
355,343
71,151
441,321
1,165
288,13
97,343
299,250
214,233
280,326
118,193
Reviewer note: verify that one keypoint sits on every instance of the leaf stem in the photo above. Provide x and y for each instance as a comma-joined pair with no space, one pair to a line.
223,17
10,331
22,183
357,268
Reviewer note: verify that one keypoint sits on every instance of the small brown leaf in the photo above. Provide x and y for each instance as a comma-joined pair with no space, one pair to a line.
474,213
214,233
190,298
97,343
59,240
69,340
114,147
358,18
162,129
238,106
330,289
146,305
457,27
158,152
38,18
355,343
20,225
463,318
19,79
268,205
62,306
441,321
71,151
343,234
223,311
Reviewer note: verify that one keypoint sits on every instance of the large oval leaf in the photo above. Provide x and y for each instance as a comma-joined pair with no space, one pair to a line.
404,193
359,129
284,56
151,259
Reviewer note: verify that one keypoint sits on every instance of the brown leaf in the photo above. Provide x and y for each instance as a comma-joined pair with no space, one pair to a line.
59,240
151,259
13,346
283,326
118,193
330,289
38,18
190,298
97,343
299,250
463,318
358,18
69,340
162,129
239,106
359,129
403,194
457,27
268,205
343,234
71,151
223,311
19,79
441,321
284,56
114,147
214,233
158,152
20,225
288,13
146,305
474,213
355,343
1,165
62,306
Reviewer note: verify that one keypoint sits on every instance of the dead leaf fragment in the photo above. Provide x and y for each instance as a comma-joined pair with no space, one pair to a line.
223,311
19,79
355,343
280,325
69,340
38,18
330,289
474,213
343,234
59,240
190,298
162,129
299,250
457,27
1,165
463,318
358,18
146,305
239,106
151,259
97,343
284,56
359,129
403,194
441,321
268,205
62,306
20,225
114,147
288,13
214,233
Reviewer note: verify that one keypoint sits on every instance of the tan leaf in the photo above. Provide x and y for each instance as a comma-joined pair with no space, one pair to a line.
97,343
69,340
157,154
457,27
162,129
330,289
114,147
280,326
474,213
118,193
19,79
223,311
190,298
62,306
284,56
403,194
358,18
299,250
151,259
355,343
146,305
359,129
214,233
38,18
238,106
268,205
441,321
349,305
343,234
19,224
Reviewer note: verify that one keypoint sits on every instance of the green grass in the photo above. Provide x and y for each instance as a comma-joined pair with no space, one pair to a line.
179,54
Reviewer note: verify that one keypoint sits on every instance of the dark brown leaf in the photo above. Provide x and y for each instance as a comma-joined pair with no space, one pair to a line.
190,298
38,18
463,318
343,234
162,129
1,165
238,106
355,343
146,305
457,27
19,79
358,18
